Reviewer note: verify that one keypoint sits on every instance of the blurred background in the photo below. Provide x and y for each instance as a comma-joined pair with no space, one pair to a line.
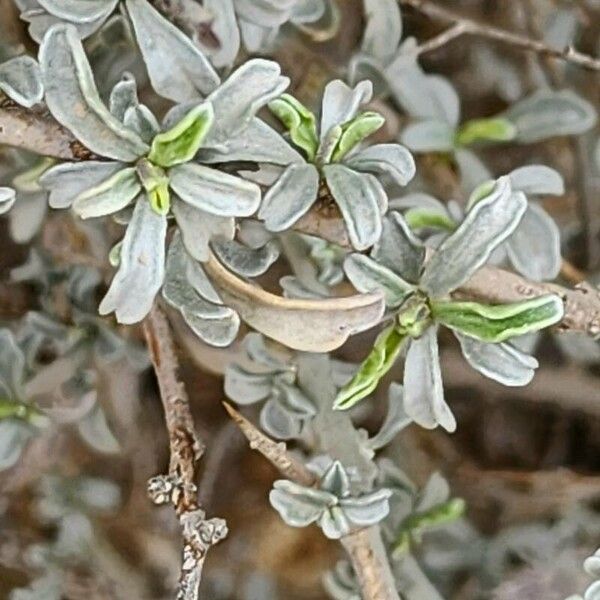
75,521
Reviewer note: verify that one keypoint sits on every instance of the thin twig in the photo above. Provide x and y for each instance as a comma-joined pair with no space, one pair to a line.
275,452
179,487
364,546
37,131
472,27
443,38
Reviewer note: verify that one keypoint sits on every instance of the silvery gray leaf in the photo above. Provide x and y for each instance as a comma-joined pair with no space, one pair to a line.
279,422
197,277
537,180
579,347
435,492
383,31
293,288
266,13
263,174
340,583
123,96
14,436
362,66
298,506
67,180
272,356
237,100
548,113
423,390
307,11
48,586
8,197
428,136
245,261
139,119
534,246
21,80
214,191
592,592
445,98
177,69
109,346
335,480
294,400
362,201
591,565
341,103
501,362
69,82
199,227
255,37
485,227
334,523
258,142
367,275
78,11
390,159
109,196
395,421
560,28
94,430
369,509
472,169
290,197
27,216
398,249
43,17
142,267
12,366
246,387
422,96
418,200
97,494
225,28
188,290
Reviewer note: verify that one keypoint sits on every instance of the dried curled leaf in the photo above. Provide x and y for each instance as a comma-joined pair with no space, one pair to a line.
309,325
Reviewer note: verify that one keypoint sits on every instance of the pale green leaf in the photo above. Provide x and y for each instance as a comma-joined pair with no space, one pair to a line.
355,131
181,143
299,121
380,360
494,129
498,323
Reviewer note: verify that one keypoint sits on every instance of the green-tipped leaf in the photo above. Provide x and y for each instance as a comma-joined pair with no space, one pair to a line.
299,121
486,130
427,218
499,323
355,131
181,143
379,361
